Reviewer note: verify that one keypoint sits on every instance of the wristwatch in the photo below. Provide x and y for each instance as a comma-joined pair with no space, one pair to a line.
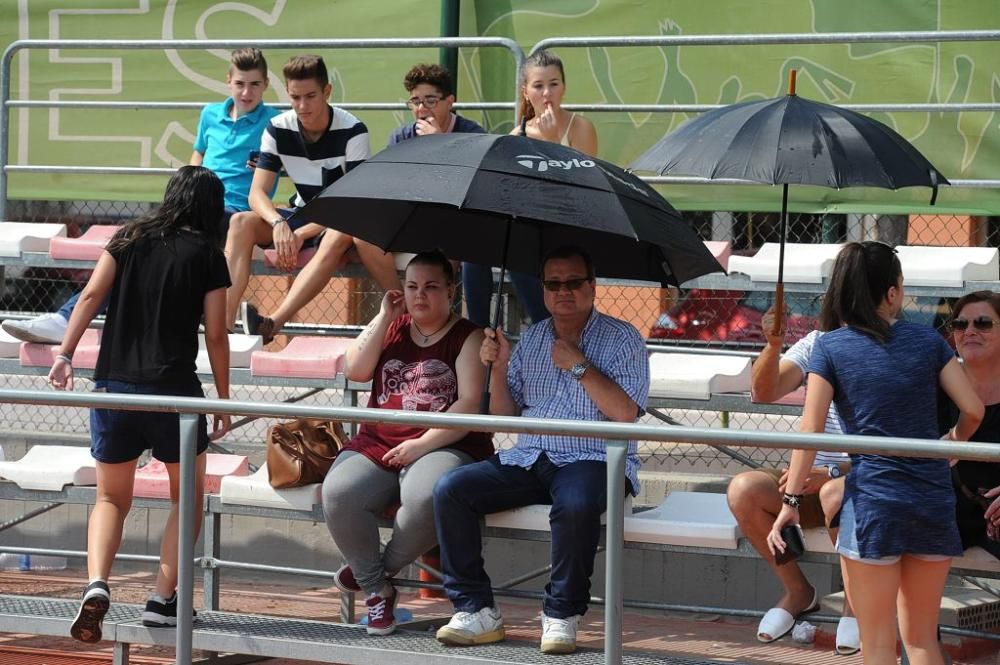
579,369
833,471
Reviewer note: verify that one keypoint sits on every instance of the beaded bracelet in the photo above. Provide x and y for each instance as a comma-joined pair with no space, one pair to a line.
66,359
791,500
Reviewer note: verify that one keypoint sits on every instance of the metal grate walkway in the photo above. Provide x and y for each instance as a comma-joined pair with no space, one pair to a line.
317,641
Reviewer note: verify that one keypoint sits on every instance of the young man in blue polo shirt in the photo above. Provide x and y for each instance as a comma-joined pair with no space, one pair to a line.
227,134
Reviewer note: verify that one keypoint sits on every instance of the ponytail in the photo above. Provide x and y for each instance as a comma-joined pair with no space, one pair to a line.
541,58
862,276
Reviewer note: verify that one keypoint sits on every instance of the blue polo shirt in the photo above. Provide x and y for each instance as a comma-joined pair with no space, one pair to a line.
226,145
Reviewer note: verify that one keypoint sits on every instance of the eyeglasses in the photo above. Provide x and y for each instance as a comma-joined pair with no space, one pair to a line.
555,285
980,323
427,102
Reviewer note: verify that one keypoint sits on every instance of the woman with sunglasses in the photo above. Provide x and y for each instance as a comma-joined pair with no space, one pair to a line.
974,325
896,537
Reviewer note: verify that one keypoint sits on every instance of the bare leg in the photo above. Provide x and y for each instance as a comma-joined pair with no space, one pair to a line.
166,575
246,229
872,590
755,502
313,277
381,265
919,604
104,529
831,496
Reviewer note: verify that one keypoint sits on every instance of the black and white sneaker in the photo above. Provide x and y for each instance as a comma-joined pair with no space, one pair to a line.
89,619
255,324
160,613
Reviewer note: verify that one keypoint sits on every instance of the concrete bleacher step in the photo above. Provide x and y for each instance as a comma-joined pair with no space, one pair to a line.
19,237
241,349
51,468
696,375
805,263
948,266
152,481
534,517
43,355
255,490
694,519
305,358
87,247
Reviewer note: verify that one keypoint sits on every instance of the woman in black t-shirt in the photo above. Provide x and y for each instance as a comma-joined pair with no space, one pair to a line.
164,273
975,325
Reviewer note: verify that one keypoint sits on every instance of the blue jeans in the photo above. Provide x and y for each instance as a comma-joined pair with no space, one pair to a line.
477,285
577,493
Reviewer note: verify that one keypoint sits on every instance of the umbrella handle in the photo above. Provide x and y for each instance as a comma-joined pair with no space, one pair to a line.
484,398
779,308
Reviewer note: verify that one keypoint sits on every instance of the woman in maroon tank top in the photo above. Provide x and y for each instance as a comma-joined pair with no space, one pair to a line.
419,356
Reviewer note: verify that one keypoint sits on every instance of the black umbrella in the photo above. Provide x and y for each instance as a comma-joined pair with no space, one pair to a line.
791,141
505,201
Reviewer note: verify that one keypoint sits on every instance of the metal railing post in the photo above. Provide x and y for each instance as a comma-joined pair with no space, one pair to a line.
614,585
186,535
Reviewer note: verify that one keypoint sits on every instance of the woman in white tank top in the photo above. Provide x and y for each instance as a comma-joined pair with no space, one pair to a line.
543,85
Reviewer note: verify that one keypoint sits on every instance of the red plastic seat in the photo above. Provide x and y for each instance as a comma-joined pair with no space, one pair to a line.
304,358
43,355
87,247
151,480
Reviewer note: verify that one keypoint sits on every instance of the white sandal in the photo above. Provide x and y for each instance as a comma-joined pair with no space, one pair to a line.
848,636
778,622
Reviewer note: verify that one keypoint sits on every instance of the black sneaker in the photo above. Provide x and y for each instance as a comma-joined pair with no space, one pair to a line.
255,324
87,624
160,613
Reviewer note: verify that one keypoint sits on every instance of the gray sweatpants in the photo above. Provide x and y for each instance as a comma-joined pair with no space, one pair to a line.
357,491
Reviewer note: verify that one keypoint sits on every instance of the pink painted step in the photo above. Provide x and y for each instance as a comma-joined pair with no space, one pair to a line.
271,257
151,481
43,355
721,250
87,247
304,358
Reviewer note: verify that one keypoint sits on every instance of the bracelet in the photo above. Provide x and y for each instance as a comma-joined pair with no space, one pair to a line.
66,359
791,500
275,222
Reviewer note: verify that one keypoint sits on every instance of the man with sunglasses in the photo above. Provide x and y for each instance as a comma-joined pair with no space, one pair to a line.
578,365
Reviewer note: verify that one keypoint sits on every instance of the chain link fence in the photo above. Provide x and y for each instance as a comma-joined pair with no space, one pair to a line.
707,319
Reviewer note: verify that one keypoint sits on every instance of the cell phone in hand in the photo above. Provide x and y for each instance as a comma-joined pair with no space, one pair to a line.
794,544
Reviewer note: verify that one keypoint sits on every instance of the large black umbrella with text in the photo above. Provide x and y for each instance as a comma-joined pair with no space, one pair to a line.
505,201
790,140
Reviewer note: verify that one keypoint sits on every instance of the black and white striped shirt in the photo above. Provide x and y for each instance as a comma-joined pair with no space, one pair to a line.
313,166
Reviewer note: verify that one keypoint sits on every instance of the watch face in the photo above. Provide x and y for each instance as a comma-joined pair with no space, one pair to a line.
578,370
834,471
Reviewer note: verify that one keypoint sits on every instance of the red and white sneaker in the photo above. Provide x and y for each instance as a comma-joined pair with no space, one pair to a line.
344,579
382,613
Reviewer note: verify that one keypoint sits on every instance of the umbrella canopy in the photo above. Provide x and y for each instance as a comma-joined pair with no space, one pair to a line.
505,201
791,141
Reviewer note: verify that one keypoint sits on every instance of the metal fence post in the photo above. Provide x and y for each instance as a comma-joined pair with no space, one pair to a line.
186,535
614,586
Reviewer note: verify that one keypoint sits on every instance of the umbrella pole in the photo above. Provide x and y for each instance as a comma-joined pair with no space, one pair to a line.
779,289
484,399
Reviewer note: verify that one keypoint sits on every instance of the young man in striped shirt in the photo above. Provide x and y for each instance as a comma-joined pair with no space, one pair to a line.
315,144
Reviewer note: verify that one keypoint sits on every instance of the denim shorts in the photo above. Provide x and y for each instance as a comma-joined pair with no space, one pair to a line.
122,436
847,543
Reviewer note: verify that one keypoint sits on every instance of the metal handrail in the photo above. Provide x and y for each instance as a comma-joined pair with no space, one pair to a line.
615,435
172,44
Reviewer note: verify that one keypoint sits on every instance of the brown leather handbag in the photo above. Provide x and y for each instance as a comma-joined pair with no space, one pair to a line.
300,452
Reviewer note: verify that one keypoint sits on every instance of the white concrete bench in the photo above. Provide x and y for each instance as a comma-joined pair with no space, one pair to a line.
722,250
241,349
948,266
10,346
255,490
51,468
693,519
805,263
19,237
534,517
697,376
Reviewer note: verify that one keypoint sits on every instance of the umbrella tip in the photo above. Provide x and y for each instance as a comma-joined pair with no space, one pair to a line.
791,81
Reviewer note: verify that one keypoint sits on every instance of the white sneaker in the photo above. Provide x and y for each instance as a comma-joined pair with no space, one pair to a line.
559,635
44,329
468,628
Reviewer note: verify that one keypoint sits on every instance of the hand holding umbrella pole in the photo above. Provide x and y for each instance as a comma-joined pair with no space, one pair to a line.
484,398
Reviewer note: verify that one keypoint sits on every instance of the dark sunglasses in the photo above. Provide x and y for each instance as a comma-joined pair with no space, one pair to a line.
555,285
981,323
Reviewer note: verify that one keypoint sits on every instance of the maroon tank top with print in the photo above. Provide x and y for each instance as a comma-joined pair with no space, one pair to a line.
409,377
